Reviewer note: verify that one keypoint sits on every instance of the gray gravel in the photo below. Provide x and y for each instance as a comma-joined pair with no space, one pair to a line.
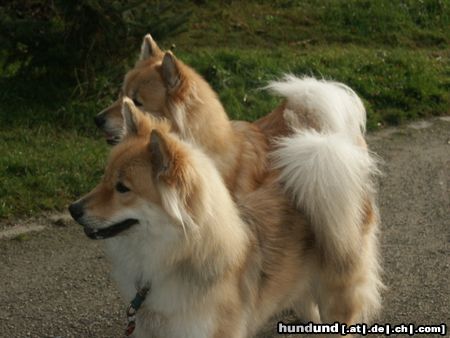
55,282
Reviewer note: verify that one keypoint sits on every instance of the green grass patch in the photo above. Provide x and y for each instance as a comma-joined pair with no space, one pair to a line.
44,169
396,84
394,54
52,156
269,24
21,238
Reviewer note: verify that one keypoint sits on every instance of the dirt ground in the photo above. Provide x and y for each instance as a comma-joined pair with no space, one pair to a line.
55,282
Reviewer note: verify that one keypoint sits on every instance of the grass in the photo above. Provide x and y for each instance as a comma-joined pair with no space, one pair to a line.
396,84
22,238
43,169
267,24
395,54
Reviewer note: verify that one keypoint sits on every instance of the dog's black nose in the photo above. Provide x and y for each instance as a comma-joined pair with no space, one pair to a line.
99,120
76,210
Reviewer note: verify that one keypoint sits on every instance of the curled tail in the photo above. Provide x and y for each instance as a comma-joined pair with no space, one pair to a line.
329,177
332,106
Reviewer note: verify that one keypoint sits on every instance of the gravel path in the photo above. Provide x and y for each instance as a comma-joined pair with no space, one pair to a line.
55,283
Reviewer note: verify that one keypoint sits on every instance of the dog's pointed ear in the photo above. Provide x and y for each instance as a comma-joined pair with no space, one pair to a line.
161,157
171,71
131,117
149,48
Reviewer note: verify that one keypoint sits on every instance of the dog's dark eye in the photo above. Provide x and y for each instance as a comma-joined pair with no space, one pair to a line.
137,103
120,187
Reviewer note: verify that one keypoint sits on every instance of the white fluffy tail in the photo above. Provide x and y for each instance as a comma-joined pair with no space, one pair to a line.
330,179
334,106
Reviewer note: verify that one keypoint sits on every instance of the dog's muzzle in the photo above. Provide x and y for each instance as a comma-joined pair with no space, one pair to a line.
112,140
77,212
110,231
112,137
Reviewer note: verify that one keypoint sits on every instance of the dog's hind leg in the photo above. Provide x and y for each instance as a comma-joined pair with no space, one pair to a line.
306,309
352,295
338,302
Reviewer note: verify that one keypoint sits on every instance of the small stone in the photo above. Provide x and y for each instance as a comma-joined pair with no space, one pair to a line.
60,222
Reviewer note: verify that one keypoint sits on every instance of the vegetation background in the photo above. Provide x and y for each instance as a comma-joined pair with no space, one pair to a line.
62,61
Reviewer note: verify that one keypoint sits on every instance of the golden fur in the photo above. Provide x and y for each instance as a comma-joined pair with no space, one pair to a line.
232,266
284,253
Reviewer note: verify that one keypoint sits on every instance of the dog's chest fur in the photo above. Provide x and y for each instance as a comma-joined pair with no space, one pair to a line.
176,305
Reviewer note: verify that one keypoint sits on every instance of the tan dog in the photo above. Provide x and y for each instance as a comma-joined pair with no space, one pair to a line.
320,160
162,86
216,269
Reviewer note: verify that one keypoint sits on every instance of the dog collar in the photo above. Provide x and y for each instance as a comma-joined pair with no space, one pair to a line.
133,308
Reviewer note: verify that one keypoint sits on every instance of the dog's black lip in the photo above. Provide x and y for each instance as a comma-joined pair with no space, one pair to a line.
110,231
111,141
